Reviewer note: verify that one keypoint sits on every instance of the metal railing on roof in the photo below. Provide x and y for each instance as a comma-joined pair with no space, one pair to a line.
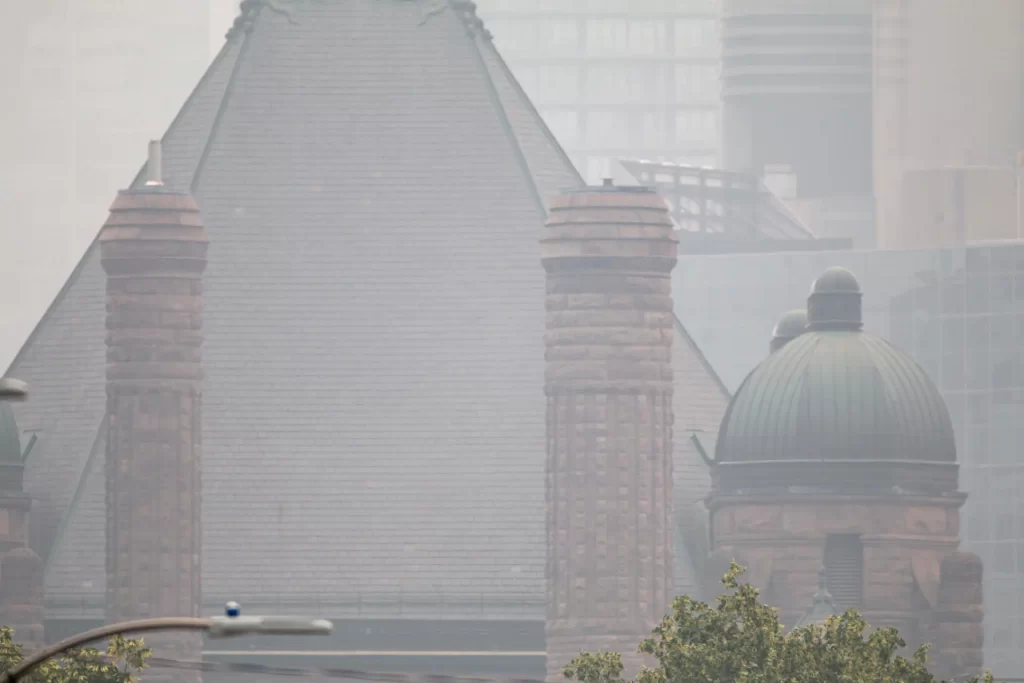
713,201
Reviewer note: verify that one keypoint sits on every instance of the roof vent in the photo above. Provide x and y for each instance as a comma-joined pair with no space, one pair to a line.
154,166
608,182
835,302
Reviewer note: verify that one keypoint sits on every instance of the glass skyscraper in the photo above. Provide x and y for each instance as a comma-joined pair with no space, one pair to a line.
617,78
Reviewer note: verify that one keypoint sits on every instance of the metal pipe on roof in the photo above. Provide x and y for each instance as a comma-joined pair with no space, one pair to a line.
154,165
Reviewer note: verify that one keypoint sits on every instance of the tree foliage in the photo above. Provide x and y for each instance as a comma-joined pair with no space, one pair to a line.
741,640
123,660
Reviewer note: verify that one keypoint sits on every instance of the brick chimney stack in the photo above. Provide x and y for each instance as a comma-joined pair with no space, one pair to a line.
154,252
609,254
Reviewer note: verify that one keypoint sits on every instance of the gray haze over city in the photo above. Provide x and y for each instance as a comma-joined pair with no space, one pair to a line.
363,280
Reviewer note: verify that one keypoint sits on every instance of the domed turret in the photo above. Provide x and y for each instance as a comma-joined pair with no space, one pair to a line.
790,326
836,409
835,301
837,451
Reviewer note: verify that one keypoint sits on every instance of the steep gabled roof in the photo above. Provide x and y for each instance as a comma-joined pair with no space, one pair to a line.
66,353
373,181
699,403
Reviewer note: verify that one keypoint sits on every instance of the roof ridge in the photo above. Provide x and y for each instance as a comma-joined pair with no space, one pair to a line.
474,27
65,520
247,27
76,271
528,102
701,357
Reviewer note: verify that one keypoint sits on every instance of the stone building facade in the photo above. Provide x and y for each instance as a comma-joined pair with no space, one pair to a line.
609,253
154,253
838,451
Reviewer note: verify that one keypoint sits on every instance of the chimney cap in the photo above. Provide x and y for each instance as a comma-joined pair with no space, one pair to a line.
608,187
835,301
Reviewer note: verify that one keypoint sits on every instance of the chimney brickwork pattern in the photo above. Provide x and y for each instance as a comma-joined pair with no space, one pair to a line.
154,252
608,253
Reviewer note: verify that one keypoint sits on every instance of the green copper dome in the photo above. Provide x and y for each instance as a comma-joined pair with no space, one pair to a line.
836,408
10,438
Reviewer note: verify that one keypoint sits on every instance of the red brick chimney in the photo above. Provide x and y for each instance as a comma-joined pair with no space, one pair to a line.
609,254
154,252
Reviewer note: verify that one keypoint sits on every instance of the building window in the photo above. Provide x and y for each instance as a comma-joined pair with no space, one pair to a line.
698,38
608,130
647,38
646,132
844,569
607,36
515,36
697,83
697,127
559,36
622,84
557,84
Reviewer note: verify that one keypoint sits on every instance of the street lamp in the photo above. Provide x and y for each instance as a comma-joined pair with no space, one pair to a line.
217,627
12,389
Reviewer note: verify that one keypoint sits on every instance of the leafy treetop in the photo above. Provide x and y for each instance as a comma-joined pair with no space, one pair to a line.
741,640
124,659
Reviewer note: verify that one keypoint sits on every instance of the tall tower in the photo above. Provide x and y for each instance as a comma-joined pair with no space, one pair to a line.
838,451
609,253
154,252
796,106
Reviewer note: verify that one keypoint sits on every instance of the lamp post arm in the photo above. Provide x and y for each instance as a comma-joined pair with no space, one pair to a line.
76,641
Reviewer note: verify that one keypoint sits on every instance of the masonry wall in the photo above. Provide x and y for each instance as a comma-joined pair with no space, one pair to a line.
154,253
907,573
608,253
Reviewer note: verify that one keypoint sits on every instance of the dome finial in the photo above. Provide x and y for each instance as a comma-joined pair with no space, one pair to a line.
823,608
822,597
835,301
790,326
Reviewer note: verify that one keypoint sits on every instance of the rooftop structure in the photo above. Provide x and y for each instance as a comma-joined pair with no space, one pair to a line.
372,181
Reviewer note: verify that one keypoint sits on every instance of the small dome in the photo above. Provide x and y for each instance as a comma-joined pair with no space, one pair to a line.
10,437
835,279
837,409
835,301
790,326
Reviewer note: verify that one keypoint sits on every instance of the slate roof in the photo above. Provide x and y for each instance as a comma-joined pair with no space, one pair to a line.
373,180
10,436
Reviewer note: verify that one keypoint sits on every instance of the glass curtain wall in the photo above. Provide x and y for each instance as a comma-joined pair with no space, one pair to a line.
617,78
